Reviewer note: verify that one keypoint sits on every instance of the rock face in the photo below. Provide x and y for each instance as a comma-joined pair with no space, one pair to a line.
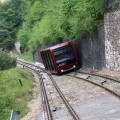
112,40
91,52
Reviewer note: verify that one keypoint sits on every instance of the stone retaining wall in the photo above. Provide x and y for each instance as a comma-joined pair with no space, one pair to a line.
112,40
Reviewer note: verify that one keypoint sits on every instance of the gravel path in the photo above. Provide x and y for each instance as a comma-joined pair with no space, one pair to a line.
76,90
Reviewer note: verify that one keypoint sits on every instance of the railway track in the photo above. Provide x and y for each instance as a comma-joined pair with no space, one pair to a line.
109,84
52,97
98,75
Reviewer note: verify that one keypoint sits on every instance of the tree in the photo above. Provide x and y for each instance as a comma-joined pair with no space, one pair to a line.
11,14
50,20
6,41
35,11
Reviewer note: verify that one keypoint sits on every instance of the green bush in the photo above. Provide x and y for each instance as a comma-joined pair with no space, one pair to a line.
6,61
13,96
6,41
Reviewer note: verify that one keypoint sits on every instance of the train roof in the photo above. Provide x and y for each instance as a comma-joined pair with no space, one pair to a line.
56,46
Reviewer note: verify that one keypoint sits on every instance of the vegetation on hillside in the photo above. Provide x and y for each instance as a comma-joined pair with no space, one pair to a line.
6,61
41,21
11,18
51,20
13,96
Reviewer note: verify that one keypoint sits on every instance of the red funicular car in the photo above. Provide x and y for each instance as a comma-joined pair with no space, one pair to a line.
60,58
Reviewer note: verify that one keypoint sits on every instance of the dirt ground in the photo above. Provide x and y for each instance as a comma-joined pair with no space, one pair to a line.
35,104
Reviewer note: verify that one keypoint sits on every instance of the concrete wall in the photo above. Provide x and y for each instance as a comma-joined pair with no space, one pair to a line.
91,52
112,40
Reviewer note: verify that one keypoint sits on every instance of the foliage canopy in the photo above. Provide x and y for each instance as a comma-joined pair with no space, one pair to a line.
50,20
6,61
11,17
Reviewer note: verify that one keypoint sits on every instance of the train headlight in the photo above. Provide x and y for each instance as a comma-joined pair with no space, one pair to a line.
74,66
61,70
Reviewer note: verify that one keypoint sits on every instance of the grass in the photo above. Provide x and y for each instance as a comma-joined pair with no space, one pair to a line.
13,96
27,56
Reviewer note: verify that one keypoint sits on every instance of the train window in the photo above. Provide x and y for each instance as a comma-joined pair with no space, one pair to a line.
42,55
44,59
51,61
64,55
47,60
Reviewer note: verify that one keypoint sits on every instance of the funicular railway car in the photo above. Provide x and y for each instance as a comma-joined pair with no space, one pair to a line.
60,58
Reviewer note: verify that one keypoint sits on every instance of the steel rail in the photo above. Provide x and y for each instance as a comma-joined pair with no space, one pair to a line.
105,88
49,113
69,107
71,110
106,77
45,98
